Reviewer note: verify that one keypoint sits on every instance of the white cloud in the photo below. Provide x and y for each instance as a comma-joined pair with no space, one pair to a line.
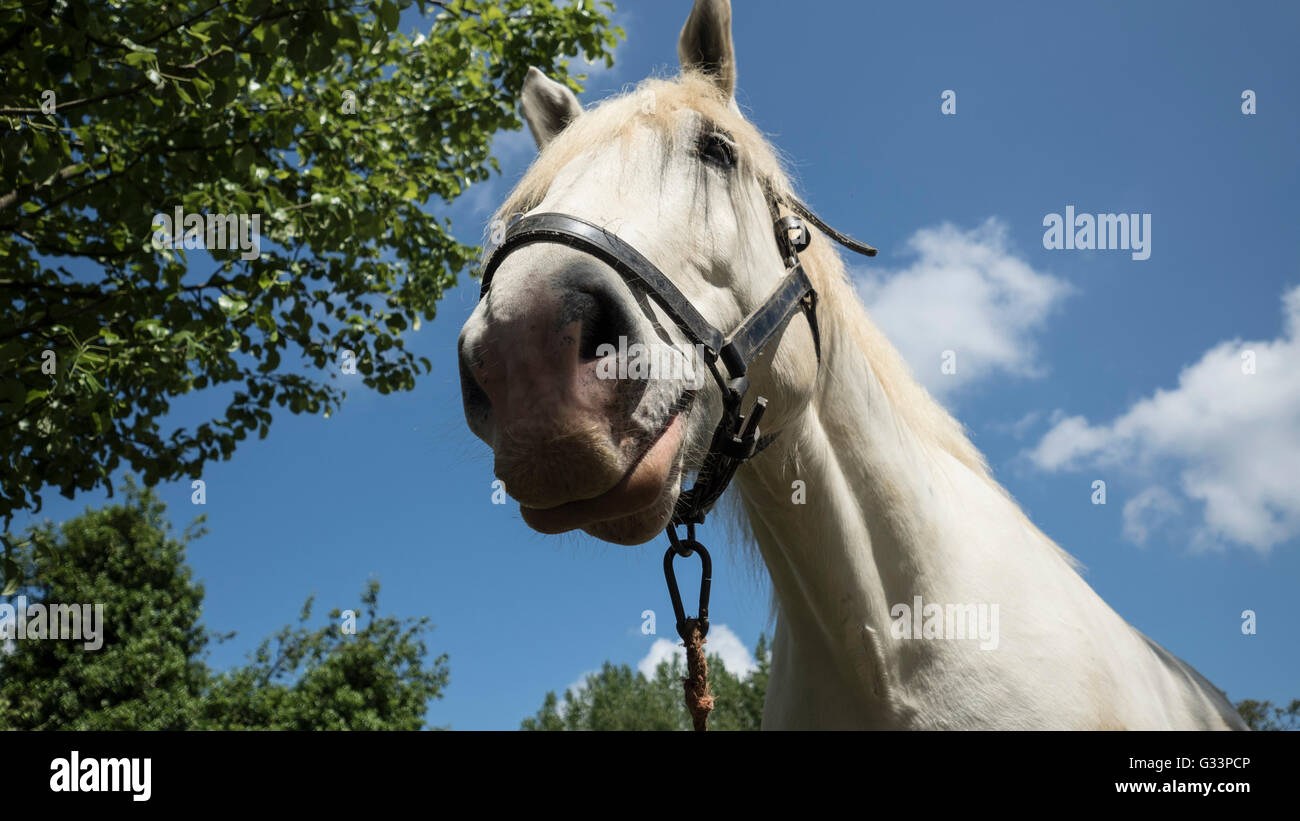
1020,428
1227,439
1152,509
966,293
721,642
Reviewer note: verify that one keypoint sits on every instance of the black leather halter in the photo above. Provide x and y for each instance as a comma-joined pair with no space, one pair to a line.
736,437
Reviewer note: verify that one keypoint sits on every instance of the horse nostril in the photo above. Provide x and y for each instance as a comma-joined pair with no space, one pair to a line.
603,320
599,326
477,404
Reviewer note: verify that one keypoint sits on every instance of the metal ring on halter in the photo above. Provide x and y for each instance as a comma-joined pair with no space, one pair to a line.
686,548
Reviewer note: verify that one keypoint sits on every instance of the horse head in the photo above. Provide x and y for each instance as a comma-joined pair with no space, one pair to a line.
581,437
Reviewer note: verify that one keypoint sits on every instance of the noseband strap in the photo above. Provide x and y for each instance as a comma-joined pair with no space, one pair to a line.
736,437
576,232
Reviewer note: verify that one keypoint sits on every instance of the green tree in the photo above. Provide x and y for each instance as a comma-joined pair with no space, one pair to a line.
616,698
323,679
1262,715
149,673
321,118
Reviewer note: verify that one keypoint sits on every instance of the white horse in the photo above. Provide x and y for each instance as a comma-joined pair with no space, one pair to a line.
897,503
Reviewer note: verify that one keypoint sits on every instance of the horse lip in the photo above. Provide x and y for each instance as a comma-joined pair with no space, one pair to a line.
672,417
581,512
680,406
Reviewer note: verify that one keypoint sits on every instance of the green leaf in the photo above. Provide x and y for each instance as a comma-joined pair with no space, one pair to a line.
244,158
12,578
135,47
231,305
389,14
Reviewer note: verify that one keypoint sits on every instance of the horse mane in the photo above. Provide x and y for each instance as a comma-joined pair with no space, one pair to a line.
656,101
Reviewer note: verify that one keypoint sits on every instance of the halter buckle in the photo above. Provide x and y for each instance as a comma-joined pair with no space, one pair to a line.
791,246
745,445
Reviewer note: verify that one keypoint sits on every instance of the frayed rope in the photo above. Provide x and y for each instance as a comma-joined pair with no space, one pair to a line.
699,702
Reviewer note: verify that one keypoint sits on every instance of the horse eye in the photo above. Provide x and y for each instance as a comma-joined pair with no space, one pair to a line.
718,149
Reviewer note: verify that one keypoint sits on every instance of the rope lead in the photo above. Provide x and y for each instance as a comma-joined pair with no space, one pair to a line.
699,702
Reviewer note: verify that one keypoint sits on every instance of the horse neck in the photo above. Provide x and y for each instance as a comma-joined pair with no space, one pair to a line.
873,527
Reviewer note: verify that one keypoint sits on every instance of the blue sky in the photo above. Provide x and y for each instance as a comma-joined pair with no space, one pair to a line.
1073,366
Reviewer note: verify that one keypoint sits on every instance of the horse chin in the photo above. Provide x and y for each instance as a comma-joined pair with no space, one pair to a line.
642,526
635,509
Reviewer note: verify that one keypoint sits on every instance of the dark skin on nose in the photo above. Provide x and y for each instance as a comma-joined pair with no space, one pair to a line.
533,371
536,372
535,344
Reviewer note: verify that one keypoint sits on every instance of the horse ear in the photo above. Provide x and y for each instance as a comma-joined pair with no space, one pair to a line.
548,106
705,43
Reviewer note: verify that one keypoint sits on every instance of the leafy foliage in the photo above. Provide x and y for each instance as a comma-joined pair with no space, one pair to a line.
1262,715
320,117
325,680
616,698
149,673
